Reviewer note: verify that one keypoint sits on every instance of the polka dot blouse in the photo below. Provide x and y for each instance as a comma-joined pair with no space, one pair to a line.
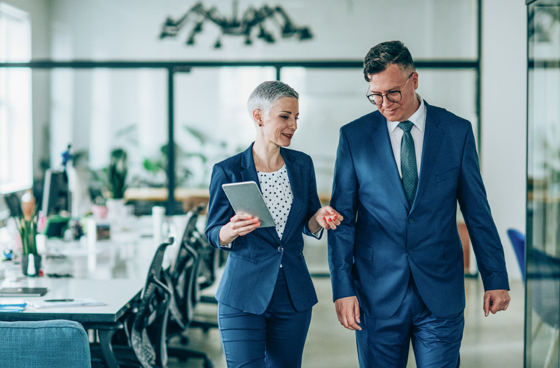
278,196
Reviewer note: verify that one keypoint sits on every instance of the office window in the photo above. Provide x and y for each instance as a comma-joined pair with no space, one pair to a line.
211,119
16,148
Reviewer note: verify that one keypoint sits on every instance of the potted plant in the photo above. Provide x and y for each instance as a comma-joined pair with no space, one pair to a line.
117,171
116,178
26,216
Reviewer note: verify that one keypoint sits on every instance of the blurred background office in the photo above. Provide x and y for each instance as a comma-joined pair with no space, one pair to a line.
161,87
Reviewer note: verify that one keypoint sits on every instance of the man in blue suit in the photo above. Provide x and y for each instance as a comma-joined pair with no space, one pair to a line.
396,260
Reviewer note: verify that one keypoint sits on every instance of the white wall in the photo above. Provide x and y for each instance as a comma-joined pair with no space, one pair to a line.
504,119
128,29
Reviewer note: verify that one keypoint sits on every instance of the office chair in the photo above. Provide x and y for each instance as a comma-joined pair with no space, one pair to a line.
545,282
182,310
182,279
209,264
146,327
43,344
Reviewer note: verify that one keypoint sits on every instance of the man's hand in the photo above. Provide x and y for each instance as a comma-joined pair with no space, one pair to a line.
495,300
348,312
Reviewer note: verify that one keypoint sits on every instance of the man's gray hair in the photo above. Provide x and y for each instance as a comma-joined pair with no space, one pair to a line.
267,93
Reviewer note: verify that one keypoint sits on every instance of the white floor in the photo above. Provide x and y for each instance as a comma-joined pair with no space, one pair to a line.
495,341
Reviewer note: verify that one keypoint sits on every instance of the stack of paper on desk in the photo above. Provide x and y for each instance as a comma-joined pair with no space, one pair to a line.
63,303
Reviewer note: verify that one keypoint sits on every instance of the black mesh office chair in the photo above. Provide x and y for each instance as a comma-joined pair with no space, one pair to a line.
182,280
146,327
209,264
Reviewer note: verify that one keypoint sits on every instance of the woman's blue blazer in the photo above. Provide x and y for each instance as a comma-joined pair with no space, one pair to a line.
254,260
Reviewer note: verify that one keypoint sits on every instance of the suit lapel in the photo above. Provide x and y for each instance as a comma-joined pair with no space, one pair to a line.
248,170
296,183
433,135
249,173
384,151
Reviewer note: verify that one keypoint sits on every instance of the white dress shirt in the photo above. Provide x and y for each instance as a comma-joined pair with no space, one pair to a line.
417,132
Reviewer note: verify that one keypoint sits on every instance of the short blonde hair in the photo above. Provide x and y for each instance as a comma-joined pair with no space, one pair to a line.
267,93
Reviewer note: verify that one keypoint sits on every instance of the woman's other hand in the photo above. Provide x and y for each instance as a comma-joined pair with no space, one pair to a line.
238,225
326,217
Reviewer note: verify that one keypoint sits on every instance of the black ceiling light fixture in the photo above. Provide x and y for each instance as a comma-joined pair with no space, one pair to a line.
252,18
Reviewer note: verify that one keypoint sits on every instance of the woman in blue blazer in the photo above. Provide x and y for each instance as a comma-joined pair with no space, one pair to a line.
266,294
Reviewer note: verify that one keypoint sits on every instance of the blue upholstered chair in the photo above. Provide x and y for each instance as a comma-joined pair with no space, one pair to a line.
518,242
44,344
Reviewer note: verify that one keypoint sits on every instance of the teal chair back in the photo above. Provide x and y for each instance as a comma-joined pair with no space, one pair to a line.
44,344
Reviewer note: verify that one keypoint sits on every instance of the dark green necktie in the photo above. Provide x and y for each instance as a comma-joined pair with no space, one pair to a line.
408,162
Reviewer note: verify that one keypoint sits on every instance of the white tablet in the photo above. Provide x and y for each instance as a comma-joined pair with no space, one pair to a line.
246,198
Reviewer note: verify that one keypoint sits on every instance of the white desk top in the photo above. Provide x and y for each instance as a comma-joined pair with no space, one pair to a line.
113,272
116,294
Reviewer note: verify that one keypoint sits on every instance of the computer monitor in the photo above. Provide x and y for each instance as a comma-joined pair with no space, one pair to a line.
56,194
78,186
14,205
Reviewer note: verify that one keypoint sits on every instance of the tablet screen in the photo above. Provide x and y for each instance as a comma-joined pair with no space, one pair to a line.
246,198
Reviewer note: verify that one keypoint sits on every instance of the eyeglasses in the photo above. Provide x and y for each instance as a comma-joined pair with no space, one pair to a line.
393,96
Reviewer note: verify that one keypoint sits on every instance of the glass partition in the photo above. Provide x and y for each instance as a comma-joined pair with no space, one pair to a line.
331,98
99,111
543,185
211,118
101,107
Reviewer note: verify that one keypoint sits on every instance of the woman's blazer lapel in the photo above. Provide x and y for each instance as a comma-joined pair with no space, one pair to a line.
297,183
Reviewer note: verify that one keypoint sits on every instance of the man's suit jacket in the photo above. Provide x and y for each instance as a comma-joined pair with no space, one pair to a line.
382,240
254,260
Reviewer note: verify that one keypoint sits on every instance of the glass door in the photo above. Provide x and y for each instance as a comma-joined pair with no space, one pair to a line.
543,185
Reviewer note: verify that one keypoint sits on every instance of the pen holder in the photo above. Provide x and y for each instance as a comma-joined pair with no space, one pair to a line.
31,264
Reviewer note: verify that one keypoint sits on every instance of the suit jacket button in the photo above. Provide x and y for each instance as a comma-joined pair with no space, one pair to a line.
280,249
409,251
410,221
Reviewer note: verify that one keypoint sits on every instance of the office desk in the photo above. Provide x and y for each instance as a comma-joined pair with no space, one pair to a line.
118,296
112,272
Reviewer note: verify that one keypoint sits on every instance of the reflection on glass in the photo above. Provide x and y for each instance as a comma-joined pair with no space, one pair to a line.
543,176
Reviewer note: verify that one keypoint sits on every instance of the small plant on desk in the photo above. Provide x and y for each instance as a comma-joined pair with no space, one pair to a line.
26,219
